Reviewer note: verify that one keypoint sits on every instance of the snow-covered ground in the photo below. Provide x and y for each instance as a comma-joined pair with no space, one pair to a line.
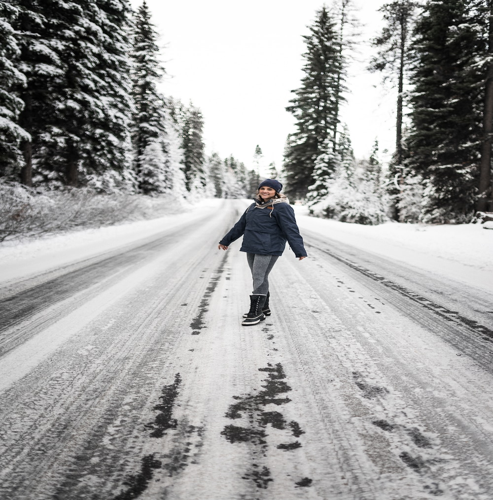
129,374
461,252
19,259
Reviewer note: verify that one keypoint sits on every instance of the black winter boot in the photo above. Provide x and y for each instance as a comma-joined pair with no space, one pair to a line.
255,314
265,308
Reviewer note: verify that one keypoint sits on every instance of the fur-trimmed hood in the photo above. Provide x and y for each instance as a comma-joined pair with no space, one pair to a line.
259,203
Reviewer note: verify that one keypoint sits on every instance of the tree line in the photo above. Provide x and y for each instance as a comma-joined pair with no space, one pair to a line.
80,105
438,55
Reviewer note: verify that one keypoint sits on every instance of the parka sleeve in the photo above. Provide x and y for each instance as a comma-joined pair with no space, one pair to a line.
237,231
284,215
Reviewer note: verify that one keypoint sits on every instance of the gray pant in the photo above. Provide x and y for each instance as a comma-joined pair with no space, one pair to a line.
261,266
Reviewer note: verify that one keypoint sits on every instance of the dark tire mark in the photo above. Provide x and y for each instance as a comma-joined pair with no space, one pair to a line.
138,483
250,408
101,270
197,323
417,464
164,420
384,425
305,482
369,391
289,446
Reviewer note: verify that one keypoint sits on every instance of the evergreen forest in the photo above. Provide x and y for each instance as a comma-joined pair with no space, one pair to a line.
437,55
81,112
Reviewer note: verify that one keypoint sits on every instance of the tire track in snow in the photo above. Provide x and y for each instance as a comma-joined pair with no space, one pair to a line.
70,290
71,429
468,335
364,371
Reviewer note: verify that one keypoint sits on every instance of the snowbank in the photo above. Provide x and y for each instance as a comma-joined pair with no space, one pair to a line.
462,252
20,259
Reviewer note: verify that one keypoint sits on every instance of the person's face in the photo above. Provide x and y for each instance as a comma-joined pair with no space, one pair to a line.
266,192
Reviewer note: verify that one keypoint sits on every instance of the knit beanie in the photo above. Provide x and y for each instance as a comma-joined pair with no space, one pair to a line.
272,183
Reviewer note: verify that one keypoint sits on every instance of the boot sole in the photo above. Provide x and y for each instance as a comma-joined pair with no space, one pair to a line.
251,323
265,314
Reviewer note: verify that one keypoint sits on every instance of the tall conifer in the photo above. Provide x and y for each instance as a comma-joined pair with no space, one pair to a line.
193,147
446,98
11,134
316,103
149,115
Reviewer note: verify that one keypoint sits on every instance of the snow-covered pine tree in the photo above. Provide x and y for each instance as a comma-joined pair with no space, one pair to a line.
111,149
393,59
193,147
149,114
374,168
216,173
332,163
444,137
74,59
316,103
326,165
252,182
273,173
484,18
235,178
43,68
11,134
258,160
173,141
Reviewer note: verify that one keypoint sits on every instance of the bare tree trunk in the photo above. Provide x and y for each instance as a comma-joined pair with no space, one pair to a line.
400,104
400,90
485,189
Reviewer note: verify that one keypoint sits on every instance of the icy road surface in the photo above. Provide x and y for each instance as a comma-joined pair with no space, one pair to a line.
128,375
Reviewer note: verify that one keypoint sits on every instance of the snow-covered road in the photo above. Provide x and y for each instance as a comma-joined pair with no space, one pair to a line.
127,374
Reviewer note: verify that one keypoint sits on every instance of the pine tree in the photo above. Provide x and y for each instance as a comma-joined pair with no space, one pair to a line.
193,147
258,160
73,54
11,134
485,19
374,168
442,145
327,163
252,182
216,172
40,62
174,142
273,173
316,103
149,115
111,147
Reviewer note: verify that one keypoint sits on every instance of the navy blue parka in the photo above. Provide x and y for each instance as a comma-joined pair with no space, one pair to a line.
266,230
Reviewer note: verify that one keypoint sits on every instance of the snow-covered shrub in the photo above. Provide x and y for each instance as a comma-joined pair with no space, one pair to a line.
347,203
24,212
410,204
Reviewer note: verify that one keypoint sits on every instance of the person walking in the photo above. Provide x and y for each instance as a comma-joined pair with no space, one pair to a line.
266,225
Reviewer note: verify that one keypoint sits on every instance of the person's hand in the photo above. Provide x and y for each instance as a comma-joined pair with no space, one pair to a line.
301,258
222,247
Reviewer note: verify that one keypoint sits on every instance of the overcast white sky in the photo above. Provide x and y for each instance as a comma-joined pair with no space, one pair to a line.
238,62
